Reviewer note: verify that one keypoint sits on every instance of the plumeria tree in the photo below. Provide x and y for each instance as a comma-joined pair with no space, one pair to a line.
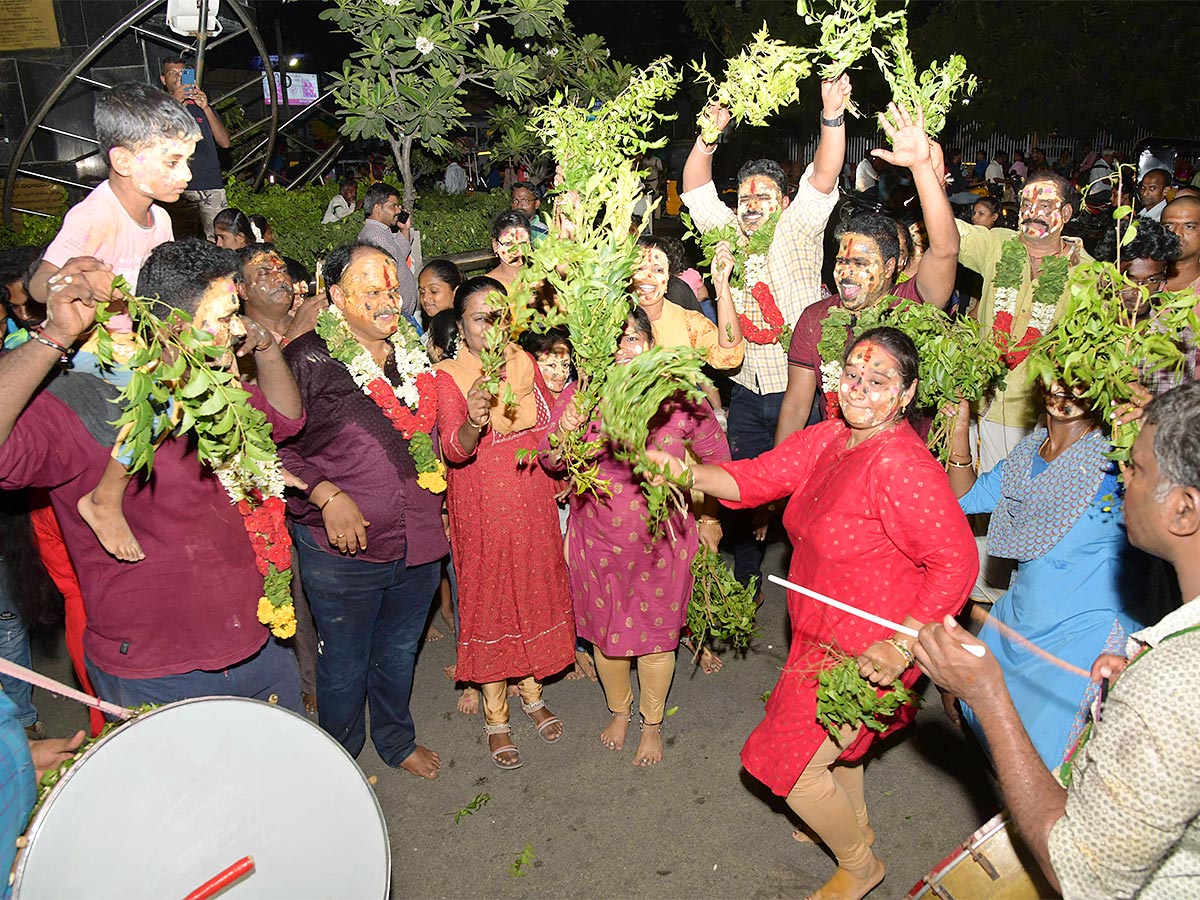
417,59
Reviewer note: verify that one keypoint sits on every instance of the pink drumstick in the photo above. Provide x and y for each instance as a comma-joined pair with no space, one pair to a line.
57,687
243,866
974,649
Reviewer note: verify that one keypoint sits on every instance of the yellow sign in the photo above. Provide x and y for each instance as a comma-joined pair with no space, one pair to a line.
28,24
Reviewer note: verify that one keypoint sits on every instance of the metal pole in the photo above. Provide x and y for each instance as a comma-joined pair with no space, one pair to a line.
317,165
201,41
240,12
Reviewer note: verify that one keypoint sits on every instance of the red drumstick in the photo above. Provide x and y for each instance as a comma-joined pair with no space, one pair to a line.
243,866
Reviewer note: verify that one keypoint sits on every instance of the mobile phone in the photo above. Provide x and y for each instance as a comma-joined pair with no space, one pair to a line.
402,216
187,77
320,276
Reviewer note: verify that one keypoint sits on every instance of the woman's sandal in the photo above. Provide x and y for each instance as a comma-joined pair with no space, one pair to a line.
510,747
541,726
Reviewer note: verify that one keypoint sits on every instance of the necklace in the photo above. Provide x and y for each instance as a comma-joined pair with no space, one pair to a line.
410,404
1010,271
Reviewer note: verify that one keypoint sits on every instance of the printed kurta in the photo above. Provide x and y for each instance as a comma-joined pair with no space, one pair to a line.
630,588
876,526
514,606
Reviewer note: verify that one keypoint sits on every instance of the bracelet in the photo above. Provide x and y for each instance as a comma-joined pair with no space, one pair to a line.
709,520
330,497
904,651
835,122
475,424
64,353
969,464
704,144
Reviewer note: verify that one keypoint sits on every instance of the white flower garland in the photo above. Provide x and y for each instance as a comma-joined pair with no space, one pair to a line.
831,376
755,271
411,360
238,483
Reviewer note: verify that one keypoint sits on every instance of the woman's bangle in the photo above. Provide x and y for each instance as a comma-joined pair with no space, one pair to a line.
327,499
709,520
475,424
703,144
969,464
904,651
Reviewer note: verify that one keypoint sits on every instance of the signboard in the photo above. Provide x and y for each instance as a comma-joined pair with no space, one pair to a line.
301,89
28,25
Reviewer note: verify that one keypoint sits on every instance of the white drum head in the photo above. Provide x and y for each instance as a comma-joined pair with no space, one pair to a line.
170,800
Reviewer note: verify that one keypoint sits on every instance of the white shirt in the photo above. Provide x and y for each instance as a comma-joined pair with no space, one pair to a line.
1155,212
995,172
865,176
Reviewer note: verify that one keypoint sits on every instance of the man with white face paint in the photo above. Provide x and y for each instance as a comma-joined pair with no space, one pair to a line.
865,273
1016,313
790,268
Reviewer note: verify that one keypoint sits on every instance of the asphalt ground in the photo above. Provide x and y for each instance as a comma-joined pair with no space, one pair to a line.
696,825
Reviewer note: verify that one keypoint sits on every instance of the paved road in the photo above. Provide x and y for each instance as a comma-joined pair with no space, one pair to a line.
694,826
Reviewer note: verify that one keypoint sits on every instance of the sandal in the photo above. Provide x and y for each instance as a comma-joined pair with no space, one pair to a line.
543,725
510,747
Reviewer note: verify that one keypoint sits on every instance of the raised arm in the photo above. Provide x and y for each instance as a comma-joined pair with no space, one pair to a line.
697,170
913,150
831,149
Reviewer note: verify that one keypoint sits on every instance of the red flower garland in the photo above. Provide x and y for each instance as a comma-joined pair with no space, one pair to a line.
402,418
778,332
1002,330
266,524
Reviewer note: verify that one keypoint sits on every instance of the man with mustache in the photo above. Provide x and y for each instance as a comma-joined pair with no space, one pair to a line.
790,268
866,268
384,229
1018,312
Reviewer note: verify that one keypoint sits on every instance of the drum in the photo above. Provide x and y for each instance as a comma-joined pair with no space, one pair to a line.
989,864
163,804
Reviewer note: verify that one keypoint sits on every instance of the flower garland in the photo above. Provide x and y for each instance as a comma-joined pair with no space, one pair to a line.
1010,270
410,405
777,331
837,330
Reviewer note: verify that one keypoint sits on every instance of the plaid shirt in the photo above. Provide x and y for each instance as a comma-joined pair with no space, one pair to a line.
793,270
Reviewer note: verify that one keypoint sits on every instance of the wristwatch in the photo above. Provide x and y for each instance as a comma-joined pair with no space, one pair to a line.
834,123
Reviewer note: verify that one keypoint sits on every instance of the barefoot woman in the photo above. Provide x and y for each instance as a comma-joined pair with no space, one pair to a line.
875,524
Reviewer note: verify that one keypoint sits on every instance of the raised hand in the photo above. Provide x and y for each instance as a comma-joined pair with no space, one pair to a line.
722,266
718,115
73,292
835,96
910,144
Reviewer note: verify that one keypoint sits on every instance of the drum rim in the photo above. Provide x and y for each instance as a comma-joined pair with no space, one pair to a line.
985,831
30,832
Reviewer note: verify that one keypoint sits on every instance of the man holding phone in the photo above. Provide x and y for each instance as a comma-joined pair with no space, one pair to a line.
206,191
387,226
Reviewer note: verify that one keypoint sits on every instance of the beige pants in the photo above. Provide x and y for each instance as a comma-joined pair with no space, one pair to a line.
495,699
829,798
655,671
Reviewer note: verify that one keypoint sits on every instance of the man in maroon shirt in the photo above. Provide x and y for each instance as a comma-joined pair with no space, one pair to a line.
369,537
867,265
182,622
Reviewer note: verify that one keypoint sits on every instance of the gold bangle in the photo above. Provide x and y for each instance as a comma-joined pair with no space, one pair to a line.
958,465
475,424
330,497
709,520
904,651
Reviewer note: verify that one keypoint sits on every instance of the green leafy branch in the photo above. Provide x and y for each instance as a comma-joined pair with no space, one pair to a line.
477,803
844,697
526,857
934,91
847,30
720,606
756,244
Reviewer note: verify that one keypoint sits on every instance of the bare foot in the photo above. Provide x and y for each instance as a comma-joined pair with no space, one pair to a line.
513,691
650,747
468,702
584,664
613,737
450,671
109,525
433,634
800,836
847,885
310,703
709,661
423,762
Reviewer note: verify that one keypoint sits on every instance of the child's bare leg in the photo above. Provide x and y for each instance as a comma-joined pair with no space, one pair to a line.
101,509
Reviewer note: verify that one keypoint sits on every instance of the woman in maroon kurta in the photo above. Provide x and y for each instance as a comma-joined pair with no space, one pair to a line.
514,604
875,524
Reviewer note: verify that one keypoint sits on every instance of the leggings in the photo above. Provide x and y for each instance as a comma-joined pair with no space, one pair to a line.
655,671
829,798
495,699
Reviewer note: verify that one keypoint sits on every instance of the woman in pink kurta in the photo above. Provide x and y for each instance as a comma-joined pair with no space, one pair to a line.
514,607
631,587
874,523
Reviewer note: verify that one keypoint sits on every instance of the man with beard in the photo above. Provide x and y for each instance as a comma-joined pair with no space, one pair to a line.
1025,276
866,268
790,268
384,229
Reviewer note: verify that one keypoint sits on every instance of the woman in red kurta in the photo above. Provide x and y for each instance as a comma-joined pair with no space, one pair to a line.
874,523
515,616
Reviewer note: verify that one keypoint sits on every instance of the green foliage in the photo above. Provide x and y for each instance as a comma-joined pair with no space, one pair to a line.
35,231
844,697
1098,348
846,32
757,244
934,91
720,606
758,81
477,803
527,856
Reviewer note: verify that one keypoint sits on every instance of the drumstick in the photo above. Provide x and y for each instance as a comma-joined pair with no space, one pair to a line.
57,687
974,649
222,880
981,616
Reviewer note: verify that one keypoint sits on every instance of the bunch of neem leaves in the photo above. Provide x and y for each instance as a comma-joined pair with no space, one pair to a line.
720,607
844,697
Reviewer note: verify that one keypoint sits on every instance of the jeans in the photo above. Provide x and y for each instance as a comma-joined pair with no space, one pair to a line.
270,671
14,646
370,621
752,421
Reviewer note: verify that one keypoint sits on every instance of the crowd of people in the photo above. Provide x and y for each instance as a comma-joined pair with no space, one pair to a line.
536,579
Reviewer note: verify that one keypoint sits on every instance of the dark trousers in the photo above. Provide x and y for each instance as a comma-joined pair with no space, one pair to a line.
752,421
370,620
270,672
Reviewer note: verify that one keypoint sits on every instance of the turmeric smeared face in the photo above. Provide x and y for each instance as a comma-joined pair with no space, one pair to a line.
1041,211
1063,405
758,198
368,294
871,391
651,278
860,274
216,313
555,366
512,247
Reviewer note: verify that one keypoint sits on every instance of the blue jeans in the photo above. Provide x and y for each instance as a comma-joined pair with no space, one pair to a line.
752,421
14,646
370,620
272,670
